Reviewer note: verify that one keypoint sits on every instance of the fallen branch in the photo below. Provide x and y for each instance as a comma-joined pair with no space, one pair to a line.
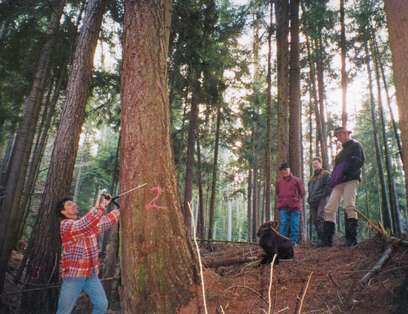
211,262
299,305
377,267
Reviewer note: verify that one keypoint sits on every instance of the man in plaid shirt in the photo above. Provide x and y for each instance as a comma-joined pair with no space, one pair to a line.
79,261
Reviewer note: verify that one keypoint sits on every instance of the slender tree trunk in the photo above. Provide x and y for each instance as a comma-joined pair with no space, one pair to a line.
193,125
39,152
393,197
200,220
158,271
10,211
268,148
282,31
386,212
249,204
295,111
214,175
397,12
41,264
343,65
319,120
322,99
388,97
255,207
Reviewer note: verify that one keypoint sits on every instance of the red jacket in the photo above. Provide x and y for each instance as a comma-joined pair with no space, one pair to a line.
289,192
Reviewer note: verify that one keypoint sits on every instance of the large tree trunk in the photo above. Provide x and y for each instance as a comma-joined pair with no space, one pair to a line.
343,65
295,141
268,146
393,197
193,124
214,175
10,211
386,213
44,253
397,19
282,31
157,261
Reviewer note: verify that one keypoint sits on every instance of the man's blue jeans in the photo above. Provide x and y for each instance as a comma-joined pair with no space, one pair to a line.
71,289
289,218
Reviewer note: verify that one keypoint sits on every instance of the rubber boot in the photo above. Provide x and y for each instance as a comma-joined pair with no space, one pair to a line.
328,233
351,231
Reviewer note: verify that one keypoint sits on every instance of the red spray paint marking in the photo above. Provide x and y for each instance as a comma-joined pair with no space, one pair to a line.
152,203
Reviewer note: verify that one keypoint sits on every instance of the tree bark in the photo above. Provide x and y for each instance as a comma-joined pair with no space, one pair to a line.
295,112
41,264
214,175
10,211
159,272
397,20
282,31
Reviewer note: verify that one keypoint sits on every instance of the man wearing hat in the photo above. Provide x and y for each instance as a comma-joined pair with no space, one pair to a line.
289,201
345,179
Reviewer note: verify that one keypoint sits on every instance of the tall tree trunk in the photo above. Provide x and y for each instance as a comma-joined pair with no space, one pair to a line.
41,264
388,97
193,124
10,211
393,197
214,175
386,212
397,12
39,152
343,65
319,120
200,221
268,148
282,31
249,204
158,270
322,100
295,111
255,208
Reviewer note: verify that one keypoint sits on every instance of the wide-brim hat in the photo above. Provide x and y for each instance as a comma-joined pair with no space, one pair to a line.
341,129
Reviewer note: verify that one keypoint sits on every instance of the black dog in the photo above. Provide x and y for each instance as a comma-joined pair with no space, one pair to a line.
272,242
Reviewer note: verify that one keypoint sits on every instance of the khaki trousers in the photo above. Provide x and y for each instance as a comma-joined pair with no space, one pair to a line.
346,191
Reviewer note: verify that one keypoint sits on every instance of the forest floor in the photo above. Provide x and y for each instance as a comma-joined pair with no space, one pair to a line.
334,286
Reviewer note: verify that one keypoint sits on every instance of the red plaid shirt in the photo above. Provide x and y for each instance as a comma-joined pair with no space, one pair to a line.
80,242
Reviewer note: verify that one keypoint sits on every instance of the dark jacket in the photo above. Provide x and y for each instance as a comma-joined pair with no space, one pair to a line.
318,187
348,163
290,192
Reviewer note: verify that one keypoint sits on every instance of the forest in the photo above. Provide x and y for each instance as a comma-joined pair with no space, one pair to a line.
188,113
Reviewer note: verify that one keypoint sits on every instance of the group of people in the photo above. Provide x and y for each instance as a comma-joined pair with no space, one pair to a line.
79,236
325,191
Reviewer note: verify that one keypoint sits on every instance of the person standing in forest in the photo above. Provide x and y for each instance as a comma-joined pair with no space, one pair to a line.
79,261
345,179
289,201
319,192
